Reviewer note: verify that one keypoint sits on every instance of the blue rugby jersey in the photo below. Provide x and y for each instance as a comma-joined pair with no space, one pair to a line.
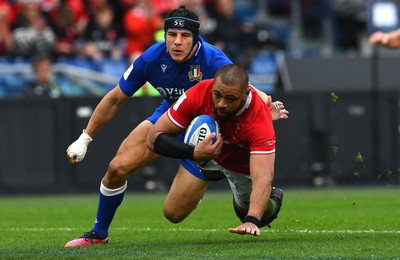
170,78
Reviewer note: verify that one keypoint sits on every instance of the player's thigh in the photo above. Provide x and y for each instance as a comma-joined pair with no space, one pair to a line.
133,152
184,195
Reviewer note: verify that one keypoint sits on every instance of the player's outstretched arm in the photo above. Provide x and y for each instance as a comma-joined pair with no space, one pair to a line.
104,112
261,172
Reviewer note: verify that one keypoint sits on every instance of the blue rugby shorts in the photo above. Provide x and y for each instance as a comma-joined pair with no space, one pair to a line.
189,165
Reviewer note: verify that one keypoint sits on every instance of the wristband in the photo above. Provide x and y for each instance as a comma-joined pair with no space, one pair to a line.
252,219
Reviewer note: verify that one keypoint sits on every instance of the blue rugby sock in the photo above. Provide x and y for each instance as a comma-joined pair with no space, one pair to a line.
109,200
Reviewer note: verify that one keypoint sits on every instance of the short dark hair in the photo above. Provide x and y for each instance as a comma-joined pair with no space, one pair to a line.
182,18
233,75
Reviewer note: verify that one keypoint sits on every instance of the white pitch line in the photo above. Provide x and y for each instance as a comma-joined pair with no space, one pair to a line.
346,231
302,231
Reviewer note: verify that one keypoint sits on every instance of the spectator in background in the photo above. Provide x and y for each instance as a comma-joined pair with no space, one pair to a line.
7,19
162,7
208,25
25,11
313,13
231,35
83,12
348,23
140,23
102,37
93,5
65,31
33,35
43,84
80,15
45,6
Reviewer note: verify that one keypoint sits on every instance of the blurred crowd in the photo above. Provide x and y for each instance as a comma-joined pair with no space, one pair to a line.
107,35
103,28
92,28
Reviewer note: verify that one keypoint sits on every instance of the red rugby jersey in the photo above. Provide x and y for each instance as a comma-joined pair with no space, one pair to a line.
250,131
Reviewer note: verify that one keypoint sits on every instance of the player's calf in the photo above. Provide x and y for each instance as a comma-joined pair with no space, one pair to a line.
274,206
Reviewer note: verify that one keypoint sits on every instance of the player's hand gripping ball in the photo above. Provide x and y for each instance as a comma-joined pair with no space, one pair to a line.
201,127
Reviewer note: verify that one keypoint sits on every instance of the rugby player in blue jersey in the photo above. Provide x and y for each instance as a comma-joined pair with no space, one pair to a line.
171,67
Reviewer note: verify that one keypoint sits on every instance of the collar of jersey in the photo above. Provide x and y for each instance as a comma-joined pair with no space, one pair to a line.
246,105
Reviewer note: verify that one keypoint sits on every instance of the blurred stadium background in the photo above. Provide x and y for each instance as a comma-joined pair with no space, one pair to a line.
342,94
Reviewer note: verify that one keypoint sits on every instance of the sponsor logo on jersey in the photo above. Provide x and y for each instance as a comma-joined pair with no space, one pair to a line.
195,73
171,93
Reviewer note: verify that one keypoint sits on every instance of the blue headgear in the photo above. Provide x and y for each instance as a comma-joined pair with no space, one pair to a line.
180,23
183,19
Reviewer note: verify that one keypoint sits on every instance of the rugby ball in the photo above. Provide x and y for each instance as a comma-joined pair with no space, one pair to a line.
201,127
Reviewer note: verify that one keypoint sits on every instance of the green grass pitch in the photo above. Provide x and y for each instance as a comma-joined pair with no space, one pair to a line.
319,223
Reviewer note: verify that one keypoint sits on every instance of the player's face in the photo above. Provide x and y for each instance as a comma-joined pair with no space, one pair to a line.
227,100
179,43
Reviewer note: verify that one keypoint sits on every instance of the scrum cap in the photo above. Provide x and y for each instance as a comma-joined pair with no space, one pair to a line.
182,18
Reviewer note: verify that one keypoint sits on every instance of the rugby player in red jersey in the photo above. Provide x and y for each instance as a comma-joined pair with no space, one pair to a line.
244,152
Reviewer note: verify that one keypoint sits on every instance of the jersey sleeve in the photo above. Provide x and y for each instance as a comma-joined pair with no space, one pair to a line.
262,134
134,77
262,146
182,112
219,59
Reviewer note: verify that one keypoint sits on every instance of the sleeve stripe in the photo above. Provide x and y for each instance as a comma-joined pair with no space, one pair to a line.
263,152
174,121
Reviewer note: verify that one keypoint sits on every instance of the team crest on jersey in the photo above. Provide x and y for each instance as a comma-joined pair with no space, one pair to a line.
237,128
195,73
